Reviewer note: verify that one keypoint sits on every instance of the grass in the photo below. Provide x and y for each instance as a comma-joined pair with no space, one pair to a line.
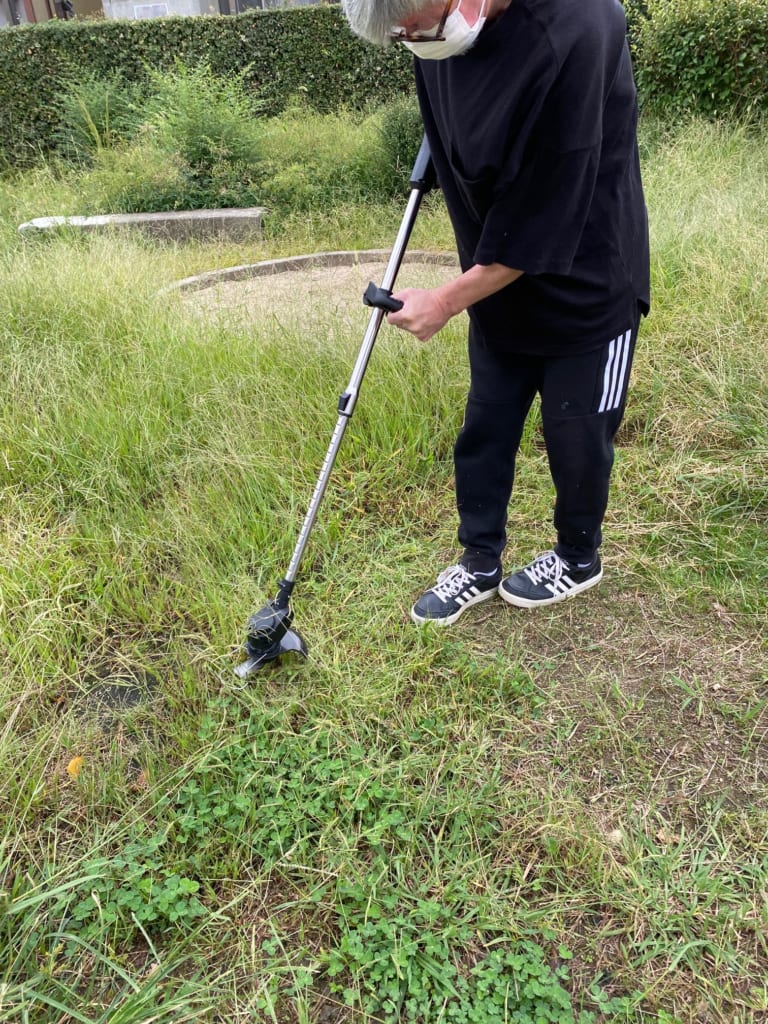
559,815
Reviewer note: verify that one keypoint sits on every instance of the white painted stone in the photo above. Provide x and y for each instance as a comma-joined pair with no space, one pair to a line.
236,224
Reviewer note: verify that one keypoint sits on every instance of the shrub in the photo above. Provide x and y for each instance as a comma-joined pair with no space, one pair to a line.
401,134
704,56
145,177
204,118
136,178
636,12
304,50
196,142
97,112
322,161
193,142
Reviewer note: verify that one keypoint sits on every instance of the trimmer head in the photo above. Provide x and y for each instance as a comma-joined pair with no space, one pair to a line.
269,637
269,632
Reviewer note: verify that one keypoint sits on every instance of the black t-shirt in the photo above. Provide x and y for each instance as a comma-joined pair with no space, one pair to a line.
533,137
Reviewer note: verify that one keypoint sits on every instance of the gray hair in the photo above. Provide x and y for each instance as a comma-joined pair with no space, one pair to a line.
373,19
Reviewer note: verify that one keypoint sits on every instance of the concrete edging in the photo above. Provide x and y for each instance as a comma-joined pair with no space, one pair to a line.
311,261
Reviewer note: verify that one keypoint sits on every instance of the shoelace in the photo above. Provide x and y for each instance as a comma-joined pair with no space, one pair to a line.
451,582
546,568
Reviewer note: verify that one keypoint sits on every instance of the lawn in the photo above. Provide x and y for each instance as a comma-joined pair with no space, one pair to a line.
559,816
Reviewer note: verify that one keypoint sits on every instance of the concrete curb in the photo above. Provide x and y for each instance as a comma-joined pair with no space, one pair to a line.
312,261
236,224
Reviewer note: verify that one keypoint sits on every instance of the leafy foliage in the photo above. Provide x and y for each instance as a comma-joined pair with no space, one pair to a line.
401,135
407,962
96,114
704,56
272,796
636,12
314,162
136,178
135,887
308,51
275,795
203,117
193,140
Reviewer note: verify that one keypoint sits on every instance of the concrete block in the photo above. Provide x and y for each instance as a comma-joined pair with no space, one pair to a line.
234,224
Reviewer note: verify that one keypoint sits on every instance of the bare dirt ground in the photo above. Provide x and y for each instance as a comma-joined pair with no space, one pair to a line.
320,300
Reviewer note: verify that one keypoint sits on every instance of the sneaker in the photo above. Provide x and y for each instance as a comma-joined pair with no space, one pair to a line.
549,579
456,590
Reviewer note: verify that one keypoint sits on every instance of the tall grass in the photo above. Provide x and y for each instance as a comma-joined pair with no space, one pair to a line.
561,815
708,340
191,140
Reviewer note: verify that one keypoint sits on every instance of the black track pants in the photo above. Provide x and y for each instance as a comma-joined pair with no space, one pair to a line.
582,404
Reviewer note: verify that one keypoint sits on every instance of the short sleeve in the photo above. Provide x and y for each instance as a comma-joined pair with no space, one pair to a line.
536,222
541,200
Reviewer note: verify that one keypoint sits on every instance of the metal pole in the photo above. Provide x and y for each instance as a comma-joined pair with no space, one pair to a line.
348,399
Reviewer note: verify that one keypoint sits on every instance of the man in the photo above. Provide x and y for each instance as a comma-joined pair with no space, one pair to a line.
530,110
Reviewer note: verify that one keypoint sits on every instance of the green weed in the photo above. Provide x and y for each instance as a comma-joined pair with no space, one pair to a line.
550,815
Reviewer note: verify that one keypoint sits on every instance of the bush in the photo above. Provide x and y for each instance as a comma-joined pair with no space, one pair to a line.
636,12
200,147
204,118
137,178
97,112
317,161
704,56
305,50
401,134
193,141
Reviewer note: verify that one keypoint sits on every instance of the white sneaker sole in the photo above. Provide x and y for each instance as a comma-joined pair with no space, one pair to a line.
524,602
450,619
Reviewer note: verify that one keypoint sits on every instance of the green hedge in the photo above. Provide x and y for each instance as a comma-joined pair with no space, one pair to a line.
306,50
709,56
704,56
637,12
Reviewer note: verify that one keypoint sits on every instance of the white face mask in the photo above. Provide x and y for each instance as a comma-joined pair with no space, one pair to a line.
459,37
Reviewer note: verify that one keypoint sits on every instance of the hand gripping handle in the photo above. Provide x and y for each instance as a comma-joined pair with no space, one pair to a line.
381,298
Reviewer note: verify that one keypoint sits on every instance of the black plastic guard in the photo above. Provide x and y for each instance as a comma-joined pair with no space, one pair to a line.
289,643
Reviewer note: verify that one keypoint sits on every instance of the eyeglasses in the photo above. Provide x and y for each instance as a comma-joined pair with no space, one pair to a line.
402,35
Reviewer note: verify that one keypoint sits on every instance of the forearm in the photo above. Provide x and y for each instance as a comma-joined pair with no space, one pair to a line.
426,310
475,284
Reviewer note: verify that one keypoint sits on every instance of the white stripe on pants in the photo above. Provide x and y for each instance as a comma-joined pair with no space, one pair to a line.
615,372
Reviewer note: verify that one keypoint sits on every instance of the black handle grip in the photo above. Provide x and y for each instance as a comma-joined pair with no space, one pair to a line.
381,298
423,175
